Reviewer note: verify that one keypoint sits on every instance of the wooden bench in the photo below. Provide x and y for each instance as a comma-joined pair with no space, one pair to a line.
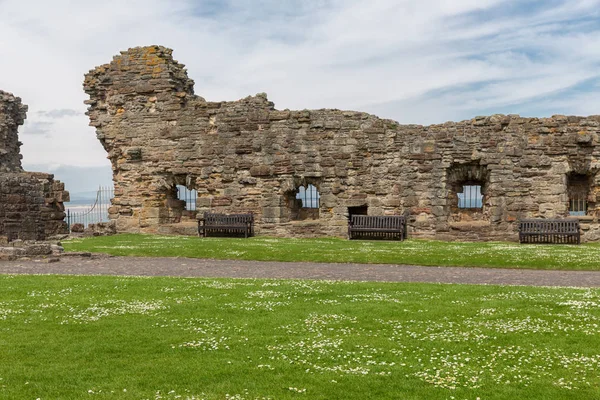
549,231
377,227
226,224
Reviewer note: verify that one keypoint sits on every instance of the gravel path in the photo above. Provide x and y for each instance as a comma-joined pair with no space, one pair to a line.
187,267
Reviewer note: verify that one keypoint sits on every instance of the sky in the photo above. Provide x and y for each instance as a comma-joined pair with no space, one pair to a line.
414,61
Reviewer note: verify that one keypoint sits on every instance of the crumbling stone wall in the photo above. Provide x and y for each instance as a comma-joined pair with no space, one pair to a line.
31,203
12,115
246,156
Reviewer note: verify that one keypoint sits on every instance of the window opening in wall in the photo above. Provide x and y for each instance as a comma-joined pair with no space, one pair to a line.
303,203
578,189
187,195
471,197
360,210
577,206
309,196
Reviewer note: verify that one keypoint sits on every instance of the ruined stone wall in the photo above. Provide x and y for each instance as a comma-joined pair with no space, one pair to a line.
246,156
12,115
31,203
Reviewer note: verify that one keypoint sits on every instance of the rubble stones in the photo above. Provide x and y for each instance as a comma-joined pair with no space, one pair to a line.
77,228
246,156
100,229
27,249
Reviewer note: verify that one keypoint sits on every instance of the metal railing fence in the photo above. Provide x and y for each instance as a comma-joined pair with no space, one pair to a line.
578,206
94,213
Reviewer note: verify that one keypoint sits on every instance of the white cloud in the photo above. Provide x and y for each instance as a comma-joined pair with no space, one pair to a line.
58,113
416,62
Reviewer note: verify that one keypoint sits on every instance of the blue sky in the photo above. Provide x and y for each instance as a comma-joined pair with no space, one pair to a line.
426,61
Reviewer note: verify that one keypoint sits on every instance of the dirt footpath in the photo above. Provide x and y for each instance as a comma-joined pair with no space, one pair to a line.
186,267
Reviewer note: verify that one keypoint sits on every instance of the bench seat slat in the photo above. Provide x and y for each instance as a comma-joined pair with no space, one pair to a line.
376,229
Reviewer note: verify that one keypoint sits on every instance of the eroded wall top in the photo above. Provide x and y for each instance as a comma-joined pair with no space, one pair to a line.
12,115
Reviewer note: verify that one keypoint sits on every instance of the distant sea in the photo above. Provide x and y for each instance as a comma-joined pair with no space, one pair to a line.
81,208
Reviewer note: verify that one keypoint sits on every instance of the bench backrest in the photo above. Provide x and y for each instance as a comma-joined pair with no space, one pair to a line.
378,222
214,219
549,226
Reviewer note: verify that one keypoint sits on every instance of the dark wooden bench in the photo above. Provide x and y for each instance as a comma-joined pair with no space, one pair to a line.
377,227
226,224
549,231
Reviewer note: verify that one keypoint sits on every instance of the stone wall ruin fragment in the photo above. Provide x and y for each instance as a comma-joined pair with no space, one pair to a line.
247,156
31,203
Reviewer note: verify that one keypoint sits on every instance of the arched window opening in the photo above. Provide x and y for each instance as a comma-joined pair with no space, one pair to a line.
468,190
303,203
180,201
470,198
308,196
187,195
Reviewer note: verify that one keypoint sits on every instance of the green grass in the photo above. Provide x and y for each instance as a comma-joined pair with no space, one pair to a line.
415,252
159,338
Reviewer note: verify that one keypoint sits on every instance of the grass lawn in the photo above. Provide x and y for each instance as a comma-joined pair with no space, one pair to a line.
174,338
416,252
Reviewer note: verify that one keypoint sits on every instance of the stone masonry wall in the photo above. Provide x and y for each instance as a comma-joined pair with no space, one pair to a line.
31,203
12,115
246,156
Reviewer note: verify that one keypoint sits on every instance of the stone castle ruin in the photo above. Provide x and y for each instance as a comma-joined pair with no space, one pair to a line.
303,173
31,203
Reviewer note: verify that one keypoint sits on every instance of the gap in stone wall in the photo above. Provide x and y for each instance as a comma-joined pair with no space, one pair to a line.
303,203
181,199
463,180
358,210
579,187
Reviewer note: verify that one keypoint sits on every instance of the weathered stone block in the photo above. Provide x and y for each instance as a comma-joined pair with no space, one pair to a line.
221,201
134,154
261,170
